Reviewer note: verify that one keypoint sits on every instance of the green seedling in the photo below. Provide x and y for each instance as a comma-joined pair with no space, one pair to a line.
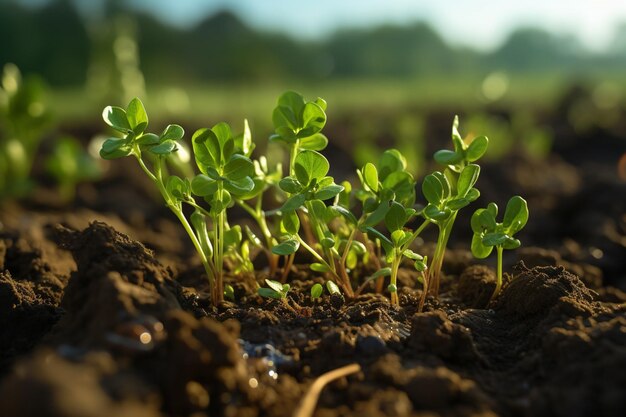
225,173
489,234
24,119
274,290
70,164
449,191
298,125
316,291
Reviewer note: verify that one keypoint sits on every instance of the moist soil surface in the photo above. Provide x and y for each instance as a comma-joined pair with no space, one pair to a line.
104,312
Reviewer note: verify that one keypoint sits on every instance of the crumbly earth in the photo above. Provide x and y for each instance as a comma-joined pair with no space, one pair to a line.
94,325
104,312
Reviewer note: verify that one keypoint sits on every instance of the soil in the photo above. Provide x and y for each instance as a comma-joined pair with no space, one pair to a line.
104,312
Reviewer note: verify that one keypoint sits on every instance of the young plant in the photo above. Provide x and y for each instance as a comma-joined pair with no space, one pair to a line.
24,119
225,172
489,234
449,191
70,165
274,290
298,125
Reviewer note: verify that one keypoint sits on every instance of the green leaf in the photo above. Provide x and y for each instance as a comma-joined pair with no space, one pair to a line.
164,148
511,243
327,242
116,118
136,115
446,157
203,186
395,217
432,189
377,215
206,149
290,222
479,250
467,179
316,142
390,161
457,140
347,214
494,239
493,209
420,266
477,148
370,176
472,195
310,165
515,215
316,291
269,293
172,132
332,288
293,203
483,220
445,184
290,185
238,167
275,285
113,148
321,102
239,187
328,192
148,139
377,235
435,213
246,145
176,187
317,267
313,120
233,236
457,204
287,247
293,101
400,237
412,255
252,237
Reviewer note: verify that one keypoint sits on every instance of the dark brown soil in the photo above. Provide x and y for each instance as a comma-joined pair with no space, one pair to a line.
109,331
104,312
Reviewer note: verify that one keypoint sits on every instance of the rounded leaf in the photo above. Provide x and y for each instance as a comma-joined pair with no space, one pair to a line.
137,116
477,148
432,189
328,192
203,186
467,179
310,165
395,217
313,120
172,132
317,289
287,247
316,142
447,157
293,203
238,167
332,288
515,215
370,176
290,185
116,118
164,148
479,250
290,223
494,239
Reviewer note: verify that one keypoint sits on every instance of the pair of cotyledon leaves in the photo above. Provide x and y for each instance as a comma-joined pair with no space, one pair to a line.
132,122
488,233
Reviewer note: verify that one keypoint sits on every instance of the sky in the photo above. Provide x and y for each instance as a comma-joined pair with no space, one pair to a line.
482,24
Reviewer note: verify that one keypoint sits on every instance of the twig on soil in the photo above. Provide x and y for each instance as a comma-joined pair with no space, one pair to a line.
309,401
